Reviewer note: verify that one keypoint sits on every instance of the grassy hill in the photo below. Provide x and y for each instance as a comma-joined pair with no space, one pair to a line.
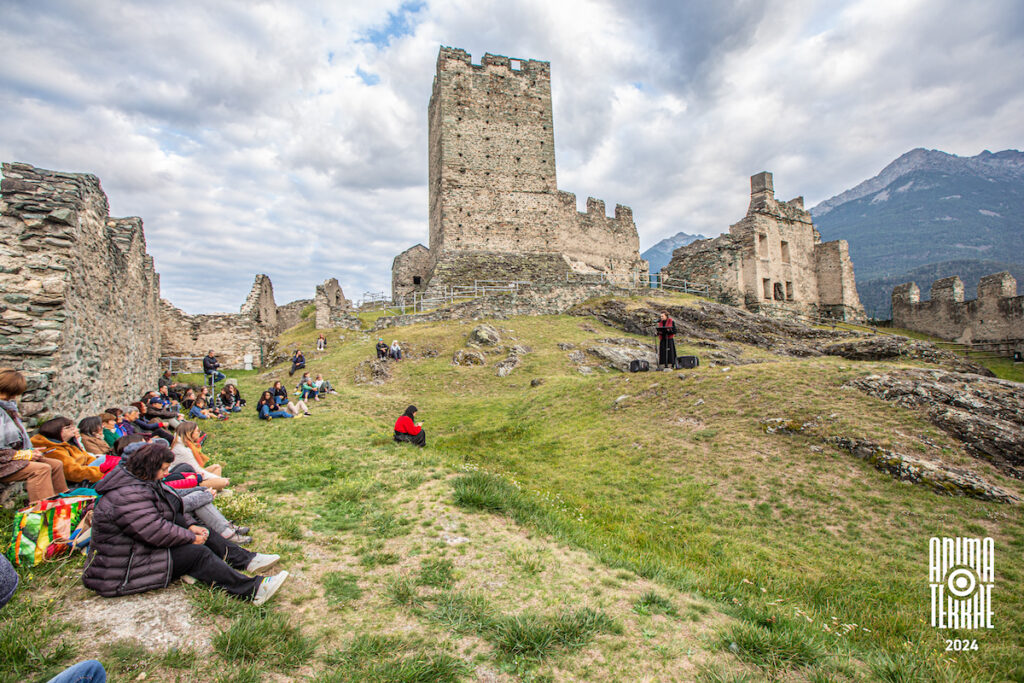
600,527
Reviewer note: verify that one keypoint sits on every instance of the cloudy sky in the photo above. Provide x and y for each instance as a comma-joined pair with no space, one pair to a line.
289,138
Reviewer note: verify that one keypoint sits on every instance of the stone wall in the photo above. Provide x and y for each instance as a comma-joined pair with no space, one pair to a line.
410,271
492,184
290,314
331,304
79,308
773,260
231,336
997,315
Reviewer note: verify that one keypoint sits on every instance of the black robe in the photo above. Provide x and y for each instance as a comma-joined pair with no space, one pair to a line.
666,343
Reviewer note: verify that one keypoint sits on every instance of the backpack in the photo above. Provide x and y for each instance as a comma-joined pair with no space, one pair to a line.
687,362
639,365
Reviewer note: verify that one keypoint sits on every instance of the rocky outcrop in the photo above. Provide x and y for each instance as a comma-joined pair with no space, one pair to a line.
937,476
893,347
984,413
484,335
374,372
619,353
467,358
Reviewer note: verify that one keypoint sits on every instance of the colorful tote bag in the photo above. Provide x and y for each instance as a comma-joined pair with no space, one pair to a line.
48,529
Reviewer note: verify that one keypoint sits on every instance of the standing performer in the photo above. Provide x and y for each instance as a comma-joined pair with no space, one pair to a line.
666,342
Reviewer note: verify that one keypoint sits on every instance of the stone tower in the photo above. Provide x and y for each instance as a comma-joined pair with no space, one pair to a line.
495,208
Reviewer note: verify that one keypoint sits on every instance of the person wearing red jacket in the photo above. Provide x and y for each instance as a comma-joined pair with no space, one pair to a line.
666,342
409,431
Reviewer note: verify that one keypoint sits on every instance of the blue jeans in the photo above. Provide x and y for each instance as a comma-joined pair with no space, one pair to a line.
89,671
98,461
266,413
218,376
309,393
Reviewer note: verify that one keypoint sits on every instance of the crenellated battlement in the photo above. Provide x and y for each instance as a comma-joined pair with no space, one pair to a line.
458,58
996,315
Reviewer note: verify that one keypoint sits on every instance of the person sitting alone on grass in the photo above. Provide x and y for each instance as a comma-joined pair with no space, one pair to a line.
142,538
57,439
321,342
298,362
280,395
268,409
408,431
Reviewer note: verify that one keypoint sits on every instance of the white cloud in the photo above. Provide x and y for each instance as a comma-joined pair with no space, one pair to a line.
290,138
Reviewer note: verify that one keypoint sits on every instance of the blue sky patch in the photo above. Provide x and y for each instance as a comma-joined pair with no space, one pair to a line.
398,24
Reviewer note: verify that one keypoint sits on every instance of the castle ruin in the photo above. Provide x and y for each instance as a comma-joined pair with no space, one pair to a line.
80,309
995,318
772,261
495,209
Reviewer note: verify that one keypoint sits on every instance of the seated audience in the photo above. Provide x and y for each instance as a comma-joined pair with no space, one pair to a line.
382,349
143,539
323,386
267,407
298,362
168,387
19,460
186,450
188,399
307,389
56,437
395,351
408,431
280,395
161,408
200,411
91,430
230,399
136,414
109,424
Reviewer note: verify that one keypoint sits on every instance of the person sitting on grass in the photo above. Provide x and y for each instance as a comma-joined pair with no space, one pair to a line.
211,403
395,351
56,437
323,386
121,426
187,452
382,349
280,395
267,407
161,408
199,411
230,399
307,389
298,362
408,431
109,423
142,539
321,342
145,424
19,460
91,429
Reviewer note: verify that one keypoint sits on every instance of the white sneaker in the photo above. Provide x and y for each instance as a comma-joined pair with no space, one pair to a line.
261,561
268,587
188,579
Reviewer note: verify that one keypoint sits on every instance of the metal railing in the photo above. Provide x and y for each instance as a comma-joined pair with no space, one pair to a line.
182,362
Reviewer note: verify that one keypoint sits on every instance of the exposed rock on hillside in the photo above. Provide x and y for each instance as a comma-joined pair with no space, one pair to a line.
484,335
373,372
466,357
891,347
986,414
940,478
620,355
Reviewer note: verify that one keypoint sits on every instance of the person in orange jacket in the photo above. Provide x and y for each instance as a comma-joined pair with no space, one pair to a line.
57,439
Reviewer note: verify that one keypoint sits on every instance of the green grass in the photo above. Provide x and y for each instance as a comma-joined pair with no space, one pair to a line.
677,488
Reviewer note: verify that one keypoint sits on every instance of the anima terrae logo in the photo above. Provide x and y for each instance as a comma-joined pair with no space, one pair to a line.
961,572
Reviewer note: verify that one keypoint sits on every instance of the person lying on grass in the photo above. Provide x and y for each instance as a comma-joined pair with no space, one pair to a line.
408,431
142,538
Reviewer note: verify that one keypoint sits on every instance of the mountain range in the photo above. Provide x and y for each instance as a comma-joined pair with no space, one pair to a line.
929,215
660,254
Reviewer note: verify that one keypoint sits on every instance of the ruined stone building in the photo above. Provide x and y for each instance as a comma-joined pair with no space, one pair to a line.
79,313
495,209
332,308
995,317
772,261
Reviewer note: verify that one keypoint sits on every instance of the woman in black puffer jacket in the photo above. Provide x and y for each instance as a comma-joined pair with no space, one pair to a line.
142,539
